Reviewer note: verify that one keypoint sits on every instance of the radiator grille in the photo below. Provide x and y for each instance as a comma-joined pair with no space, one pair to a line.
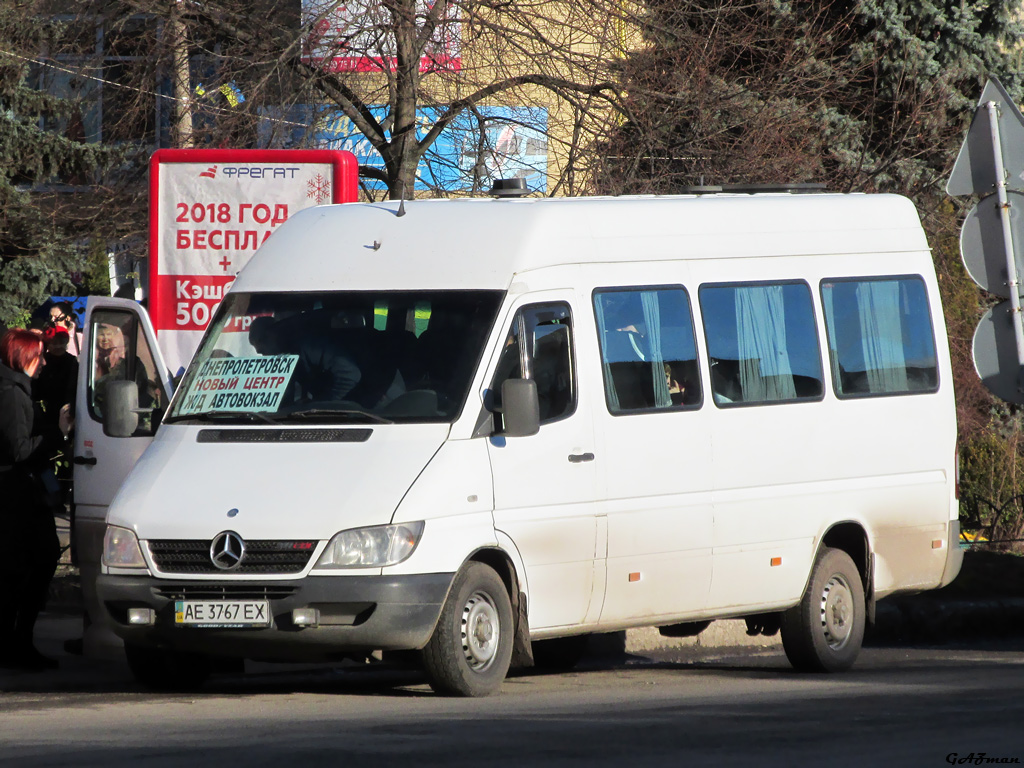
224,592
283,435
261,557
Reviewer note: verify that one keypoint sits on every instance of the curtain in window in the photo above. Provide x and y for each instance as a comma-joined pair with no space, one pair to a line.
881,333
606,369
652,319
828,300
765,370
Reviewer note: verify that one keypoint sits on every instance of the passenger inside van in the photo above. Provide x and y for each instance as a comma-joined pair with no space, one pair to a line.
326,371
115,360
676,390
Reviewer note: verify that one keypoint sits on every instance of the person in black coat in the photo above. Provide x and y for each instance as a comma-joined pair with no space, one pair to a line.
56,383
54,388
26,520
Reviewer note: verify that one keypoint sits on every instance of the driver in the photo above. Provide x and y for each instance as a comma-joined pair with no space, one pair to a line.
325,371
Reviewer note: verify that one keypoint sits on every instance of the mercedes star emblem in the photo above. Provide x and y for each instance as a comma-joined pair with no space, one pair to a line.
227,550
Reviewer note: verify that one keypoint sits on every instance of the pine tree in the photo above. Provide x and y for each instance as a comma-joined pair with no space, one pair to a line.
869,95
37,252
925,64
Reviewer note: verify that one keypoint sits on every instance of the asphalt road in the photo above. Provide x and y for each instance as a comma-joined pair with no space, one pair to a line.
899,706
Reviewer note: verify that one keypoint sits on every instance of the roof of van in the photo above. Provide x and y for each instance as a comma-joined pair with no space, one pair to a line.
484,242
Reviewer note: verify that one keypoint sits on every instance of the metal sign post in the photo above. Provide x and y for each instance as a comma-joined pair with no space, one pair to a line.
991,160
1008,250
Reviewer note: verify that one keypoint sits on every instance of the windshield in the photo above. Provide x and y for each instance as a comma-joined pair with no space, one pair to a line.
341,356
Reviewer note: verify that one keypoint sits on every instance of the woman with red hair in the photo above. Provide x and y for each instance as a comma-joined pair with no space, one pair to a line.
26,521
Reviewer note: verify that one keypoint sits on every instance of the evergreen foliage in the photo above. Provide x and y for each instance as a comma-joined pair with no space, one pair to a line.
925,65
868,95
37,252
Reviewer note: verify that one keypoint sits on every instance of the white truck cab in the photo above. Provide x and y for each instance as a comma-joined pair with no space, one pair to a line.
483,430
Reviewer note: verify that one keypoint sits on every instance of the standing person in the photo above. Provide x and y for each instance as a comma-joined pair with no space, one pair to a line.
25,518
62,315
57,381
54,388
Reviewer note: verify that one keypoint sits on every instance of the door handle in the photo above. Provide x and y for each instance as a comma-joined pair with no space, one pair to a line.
87,460
577,458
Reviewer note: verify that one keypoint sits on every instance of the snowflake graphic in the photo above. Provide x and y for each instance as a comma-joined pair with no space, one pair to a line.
319,189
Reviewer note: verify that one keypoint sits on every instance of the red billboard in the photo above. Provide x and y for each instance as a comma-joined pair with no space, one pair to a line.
209,210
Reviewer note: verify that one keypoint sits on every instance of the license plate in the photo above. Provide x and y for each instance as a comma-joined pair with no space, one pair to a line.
222,613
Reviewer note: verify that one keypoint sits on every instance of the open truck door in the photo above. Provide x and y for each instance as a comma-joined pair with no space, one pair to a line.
118,344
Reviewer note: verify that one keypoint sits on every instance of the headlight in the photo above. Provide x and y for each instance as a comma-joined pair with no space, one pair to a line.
121,549
371,547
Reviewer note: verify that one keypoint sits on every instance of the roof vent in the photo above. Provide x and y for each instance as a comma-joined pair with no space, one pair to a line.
509,188
753,189
702,189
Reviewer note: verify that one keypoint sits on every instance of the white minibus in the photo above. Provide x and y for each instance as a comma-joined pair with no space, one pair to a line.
482,430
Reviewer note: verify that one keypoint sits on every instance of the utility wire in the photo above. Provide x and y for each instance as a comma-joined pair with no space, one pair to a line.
77,73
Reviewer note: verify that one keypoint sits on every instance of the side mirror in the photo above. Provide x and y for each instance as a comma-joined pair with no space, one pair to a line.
520,408
120,408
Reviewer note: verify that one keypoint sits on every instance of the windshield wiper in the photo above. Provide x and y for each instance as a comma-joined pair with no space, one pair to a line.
305,413
217,415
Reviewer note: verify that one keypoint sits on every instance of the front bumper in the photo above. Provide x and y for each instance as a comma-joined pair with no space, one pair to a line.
357,614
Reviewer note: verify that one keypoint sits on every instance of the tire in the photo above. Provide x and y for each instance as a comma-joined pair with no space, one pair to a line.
561,653
824,633
471,648
164,670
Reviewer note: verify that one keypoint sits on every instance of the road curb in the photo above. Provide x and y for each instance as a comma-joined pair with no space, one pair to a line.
925,619
723,633
916,619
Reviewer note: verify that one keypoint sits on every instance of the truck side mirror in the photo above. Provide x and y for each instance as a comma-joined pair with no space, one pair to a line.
520,408
120,408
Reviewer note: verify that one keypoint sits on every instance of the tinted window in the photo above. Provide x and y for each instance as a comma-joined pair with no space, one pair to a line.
762,342
539,342
880,336
120,352
648,354
324,357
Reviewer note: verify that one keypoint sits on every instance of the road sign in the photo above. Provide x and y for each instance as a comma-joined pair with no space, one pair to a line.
995,353
991,165
982,245
975,170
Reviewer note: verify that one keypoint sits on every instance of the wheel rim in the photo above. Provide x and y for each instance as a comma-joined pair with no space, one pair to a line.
481,631
837,612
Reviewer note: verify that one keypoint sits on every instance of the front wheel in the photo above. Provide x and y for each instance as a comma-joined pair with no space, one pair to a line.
471,648
825,631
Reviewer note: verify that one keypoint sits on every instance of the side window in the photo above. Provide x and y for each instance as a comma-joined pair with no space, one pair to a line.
539,346
880,337
120,352
762,343
648,352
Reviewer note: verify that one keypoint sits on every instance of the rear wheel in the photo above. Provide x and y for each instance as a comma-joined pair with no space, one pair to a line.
166,670
471,648
825,631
